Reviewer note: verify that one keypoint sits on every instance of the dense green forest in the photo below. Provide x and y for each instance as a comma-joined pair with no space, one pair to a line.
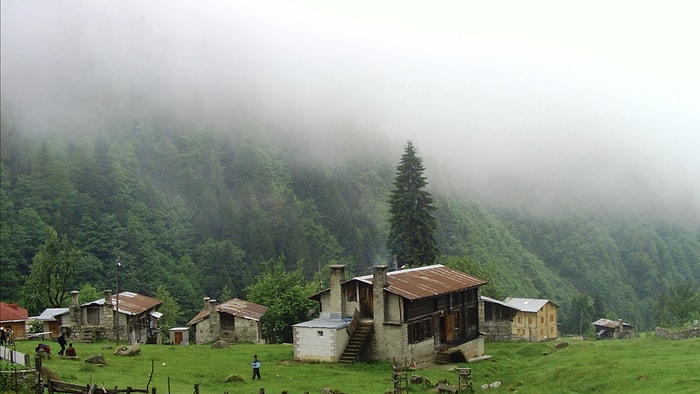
199,213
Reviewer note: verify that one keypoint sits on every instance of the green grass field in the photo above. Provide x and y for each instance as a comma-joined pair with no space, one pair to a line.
643,365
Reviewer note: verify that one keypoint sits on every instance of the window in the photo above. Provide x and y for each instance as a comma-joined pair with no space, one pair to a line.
320,333
420,330
520,319
551,318
542,319
351,293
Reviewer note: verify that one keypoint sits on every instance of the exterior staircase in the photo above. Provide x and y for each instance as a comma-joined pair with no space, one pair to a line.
358,338
442,358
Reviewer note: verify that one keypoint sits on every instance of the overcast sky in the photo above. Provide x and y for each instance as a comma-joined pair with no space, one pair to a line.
509,100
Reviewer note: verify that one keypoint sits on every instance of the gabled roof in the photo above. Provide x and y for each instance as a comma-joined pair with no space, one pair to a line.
12,312
236,307
129,303
49,314
527,304
425,282
494,301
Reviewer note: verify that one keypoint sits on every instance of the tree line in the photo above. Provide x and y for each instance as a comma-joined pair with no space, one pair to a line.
192,213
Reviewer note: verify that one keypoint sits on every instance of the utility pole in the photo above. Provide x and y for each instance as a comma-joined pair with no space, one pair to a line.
116,315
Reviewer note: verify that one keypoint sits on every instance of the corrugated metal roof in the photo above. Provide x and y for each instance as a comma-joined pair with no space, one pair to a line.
12,312
429,281
526,304
50,314
129,303
236,307
492,300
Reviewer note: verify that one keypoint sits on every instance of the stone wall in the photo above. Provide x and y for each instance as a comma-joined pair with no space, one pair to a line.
497,330
692,332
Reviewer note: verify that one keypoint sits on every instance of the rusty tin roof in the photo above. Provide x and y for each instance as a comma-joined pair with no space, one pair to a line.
130,303
428,281
236,307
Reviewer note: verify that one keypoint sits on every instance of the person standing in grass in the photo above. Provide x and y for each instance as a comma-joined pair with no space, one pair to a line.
62,341
256,367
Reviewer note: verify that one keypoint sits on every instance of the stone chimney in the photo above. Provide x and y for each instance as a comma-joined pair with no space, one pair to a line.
75,308
108,297
622,328
379,282
214,323
109,315
74,298
206,302
379,276
337,277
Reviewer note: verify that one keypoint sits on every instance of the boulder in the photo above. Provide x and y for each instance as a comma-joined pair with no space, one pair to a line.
127,350
96,359
219,345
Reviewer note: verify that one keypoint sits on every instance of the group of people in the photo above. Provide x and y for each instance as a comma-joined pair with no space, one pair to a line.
6,336
70,352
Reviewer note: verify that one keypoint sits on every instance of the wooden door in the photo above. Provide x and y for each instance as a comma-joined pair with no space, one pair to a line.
178,337
449,327
366,302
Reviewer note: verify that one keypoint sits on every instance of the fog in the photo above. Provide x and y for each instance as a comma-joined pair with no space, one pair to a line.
541,103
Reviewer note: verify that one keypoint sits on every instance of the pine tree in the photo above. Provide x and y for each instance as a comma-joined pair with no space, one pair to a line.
411,241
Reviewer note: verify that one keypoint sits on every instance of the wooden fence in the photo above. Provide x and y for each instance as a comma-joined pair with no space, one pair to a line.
55,386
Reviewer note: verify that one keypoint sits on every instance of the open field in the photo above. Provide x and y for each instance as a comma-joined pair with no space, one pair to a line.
642,365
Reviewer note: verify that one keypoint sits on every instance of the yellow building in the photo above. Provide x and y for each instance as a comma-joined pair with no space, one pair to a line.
536,319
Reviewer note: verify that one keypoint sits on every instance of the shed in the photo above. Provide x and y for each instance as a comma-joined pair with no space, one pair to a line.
321,339
179,336
52,320
612,329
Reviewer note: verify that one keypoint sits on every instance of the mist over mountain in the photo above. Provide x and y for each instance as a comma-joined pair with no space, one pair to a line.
540,105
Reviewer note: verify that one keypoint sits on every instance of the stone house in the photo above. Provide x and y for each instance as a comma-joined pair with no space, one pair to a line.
613,329
415,315
497,323
235,320
536,319
14,317
127,317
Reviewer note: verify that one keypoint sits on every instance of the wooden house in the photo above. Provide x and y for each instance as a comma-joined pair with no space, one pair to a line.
536,319
406,315
235,320
613,329
13,320
497,323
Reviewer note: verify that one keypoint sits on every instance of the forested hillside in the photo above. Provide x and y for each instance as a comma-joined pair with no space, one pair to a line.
199,212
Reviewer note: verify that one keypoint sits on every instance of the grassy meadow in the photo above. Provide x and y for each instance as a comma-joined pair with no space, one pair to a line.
644,365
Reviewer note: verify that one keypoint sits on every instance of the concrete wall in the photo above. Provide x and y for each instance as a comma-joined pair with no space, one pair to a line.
320,344
472,349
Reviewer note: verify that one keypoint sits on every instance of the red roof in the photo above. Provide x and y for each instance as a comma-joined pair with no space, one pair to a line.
12,312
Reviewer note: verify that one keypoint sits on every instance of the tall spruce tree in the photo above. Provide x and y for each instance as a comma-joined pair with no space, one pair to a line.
411,241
